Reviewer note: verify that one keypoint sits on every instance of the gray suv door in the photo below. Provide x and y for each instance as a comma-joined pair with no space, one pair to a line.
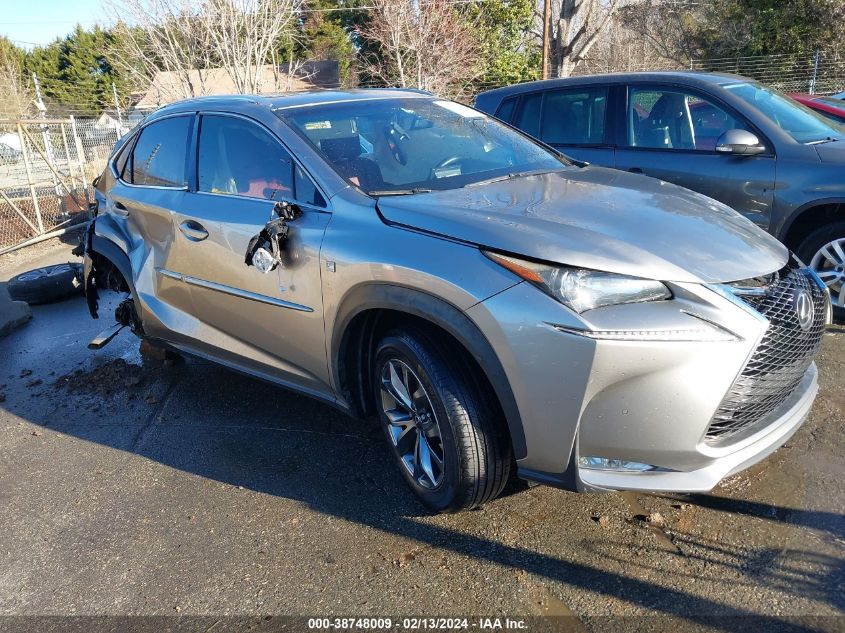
671,134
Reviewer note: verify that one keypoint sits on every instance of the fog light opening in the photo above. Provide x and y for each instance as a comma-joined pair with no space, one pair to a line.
618,465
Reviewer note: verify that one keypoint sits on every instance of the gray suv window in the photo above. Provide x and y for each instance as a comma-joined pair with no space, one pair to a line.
574,116
662,118
158,159
240,158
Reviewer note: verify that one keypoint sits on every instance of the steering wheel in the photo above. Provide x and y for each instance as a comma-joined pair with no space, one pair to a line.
395,137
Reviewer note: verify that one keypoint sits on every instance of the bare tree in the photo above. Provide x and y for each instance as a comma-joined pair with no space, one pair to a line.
245,34
577,25
163,35
668,26
427,45
16,94
190,39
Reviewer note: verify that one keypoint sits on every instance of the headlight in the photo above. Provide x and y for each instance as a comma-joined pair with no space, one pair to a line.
582,289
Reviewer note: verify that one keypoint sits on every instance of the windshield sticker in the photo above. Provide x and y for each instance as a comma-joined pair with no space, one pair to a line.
462,110
318,125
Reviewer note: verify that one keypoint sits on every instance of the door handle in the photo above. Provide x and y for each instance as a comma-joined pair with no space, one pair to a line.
120,209
194,231
636,170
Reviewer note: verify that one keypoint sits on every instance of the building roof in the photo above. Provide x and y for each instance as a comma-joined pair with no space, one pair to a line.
169,86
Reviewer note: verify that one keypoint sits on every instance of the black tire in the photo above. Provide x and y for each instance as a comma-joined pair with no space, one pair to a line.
475,447
811,245
50,283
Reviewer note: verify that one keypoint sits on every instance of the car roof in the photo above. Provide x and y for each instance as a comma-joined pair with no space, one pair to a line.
283,101
689,77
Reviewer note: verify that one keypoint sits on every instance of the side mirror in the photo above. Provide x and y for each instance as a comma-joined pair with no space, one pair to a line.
739,142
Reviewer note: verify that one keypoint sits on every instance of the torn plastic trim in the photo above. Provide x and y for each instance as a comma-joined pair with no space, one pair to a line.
266,250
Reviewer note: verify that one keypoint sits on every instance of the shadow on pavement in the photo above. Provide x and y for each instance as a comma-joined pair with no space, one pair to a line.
203,419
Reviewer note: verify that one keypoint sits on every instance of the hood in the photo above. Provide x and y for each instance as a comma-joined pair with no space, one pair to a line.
601,219
833,152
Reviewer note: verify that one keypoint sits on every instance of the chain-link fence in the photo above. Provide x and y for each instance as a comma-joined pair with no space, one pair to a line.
46,169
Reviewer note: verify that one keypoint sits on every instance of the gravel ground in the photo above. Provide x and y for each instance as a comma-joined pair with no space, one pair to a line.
131,485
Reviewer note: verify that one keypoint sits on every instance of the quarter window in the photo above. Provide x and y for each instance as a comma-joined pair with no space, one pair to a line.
240,158
505,112
528,119
673,119
159,155
574,116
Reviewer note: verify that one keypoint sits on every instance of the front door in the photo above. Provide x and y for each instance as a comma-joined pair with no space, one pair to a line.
270,323
671,135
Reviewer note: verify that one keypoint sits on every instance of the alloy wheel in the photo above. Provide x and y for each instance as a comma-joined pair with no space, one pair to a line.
412,423
829,265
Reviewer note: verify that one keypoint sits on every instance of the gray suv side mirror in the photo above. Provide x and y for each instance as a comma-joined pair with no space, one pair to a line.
741,142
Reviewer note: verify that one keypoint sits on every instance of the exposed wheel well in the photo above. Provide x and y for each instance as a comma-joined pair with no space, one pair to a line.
811,219
359,341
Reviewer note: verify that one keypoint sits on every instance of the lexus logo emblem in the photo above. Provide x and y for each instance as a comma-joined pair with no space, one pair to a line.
804,308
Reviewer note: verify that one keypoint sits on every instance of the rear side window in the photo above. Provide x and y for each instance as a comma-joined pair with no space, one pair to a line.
159,155
528,119
240,158
574,116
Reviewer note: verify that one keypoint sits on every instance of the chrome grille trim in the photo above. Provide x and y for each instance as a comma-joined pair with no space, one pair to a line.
784,354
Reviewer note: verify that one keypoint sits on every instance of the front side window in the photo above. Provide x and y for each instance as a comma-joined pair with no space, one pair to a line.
238,157
672,119
574,116
800,122
399,145
158,159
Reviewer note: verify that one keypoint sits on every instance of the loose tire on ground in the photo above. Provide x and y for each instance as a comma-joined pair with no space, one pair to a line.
47,284
473,443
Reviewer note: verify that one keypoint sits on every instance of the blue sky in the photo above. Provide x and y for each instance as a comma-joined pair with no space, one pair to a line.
38,22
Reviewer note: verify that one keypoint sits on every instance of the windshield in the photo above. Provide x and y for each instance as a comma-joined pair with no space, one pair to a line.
800,122
399,146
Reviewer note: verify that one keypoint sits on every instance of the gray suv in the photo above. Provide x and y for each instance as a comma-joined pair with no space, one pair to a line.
772,159
495,306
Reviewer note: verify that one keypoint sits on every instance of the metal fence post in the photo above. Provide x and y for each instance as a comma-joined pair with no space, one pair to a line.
816,59
29,179
80,155
67,155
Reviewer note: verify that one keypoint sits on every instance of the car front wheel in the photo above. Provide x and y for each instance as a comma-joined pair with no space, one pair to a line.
446,435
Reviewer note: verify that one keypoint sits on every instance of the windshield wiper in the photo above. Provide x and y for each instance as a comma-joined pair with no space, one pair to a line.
397,192
514,174
827,139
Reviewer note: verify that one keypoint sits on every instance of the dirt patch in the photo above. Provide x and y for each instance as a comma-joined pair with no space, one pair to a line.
116,376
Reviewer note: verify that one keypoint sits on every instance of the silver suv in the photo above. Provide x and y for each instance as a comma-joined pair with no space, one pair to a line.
496,306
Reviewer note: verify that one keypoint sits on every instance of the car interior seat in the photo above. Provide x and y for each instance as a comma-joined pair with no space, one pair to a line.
345,154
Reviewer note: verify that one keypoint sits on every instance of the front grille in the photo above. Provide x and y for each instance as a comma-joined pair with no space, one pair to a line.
780,361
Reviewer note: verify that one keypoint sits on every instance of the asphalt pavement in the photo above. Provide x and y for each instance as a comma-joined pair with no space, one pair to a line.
132,485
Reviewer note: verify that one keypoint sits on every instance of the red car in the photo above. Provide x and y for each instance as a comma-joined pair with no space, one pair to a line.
829,107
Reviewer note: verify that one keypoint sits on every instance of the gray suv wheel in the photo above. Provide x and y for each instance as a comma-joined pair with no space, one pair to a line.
445,433
824,252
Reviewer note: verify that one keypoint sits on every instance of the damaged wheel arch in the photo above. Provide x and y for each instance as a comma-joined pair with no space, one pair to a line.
105,266
358,319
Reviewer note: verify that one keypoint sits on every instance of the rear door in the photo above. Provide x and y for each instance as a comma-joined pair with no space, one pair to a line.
271,323
152,182
574,120
671,133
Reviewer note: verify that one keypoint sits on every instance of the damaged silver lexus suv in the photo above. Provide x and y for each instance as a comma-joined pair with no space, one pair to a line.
499,308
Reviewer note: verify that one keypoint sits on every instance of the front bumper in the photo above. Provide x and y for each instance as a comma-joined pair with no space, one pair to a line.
648,401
